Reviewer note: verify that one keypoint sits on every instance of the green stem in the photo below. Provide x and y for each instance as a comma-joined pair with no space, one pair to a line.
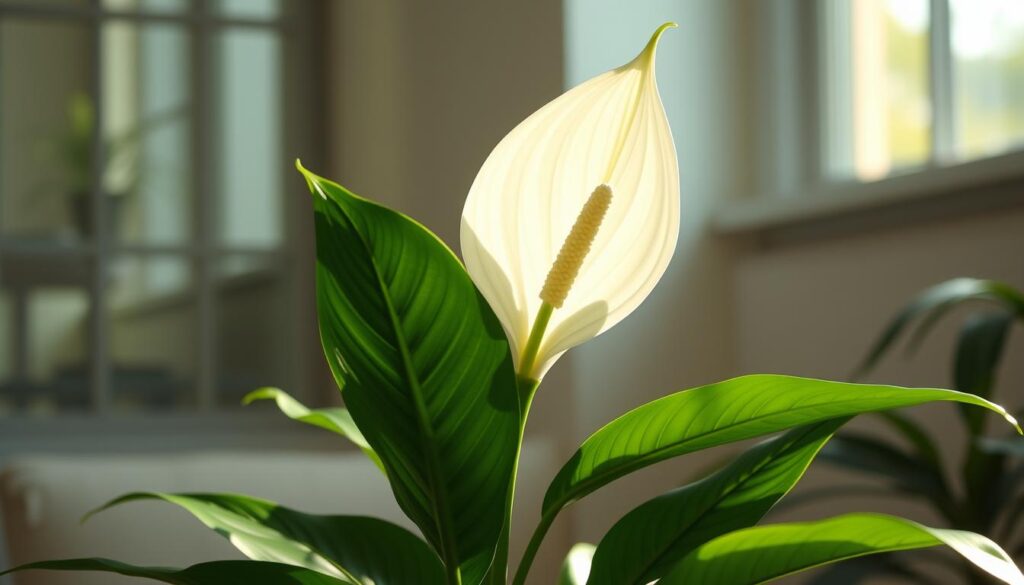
527,390
531,549
540,325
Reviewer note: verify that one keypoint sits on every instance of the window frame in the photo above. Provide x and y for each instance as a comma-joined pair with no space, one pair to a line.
794,74
299,29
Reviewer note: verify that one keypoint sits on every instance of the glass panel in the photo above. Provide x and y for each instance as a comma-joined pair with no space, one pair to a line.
249,132
255,343
44,326
257,9
59,2
160,6
879,88
153,333
147,130
46,127
988,55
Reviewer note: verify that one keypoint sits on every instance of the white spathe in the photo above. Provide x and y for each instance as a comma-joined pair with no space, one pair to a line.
611,129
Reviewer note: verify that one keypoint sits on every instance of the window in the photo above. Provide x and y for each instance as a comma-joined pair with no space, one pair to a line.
910,84
147,240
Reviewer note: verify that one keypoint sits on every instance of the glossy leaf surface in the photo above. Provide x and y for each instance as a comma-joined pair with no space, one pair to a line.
648,541
733,410
764,553
212,573
364,550
424,368
337,420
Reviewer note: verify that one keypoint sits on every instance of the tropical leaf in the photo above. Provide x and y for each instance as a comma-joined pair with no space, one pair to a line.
212,573
861,453
337,420
935,302
648,541
425,370
359,549
733,410
576,567
764,553
978,352
915,435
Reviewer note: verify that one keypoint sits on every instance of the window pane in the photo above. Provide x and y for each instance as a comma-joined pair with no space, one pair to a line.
255,346
44,328
160,6
249,131
46,128
153,335
881,91
258,9
988,54
147,130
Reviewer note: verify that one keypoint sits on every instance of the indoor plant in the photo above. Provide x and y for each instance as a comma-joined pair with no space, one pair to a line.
570,223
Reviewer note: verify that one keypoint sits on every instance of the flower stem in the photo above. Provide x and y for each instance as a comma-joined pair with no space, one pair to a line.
540,325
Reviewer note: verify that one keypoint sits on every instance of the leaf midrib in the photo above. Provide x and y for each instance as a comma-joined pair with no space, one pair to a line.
443,520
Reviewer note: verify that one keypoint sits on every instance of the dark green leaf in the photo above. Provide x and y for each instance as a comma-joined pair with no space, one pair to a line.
978,352
576,566
861,453
936,301
859,570
764,553
649,540
362,550
734,410
337,420
915,435
213,573
425,368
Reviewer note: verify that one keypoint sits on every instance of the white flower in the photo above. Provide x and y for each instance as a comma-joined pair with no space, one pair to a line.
606,141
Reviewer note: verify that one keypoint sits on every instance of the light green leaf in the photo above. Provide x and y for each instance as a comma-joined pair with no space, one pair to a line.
576,567
365,551
764,553
733,410
425,368
648,541
212,573
337,420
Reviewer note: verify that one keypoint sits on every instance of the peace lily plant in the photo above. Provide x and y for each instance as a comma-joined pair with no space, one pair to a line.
568,226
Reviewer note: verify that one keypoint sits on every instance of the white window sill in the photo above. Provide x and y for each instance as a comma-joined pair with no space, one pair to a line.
937,191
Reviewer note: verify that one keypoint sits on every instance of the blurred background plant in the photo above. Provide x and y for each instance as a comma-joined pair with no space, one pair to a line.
982,492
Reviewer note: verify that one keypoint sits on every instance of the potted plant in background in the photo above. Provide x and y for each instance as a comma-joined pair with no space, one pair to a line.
570,223
990,500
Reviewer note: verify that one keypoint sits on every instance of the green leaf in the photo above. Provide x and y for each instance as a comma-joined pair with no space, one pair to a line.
915,435
764,553
649,540
861,453
576,566
212,573
729,411
978,352
337,420
363,550
425,370
935,302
